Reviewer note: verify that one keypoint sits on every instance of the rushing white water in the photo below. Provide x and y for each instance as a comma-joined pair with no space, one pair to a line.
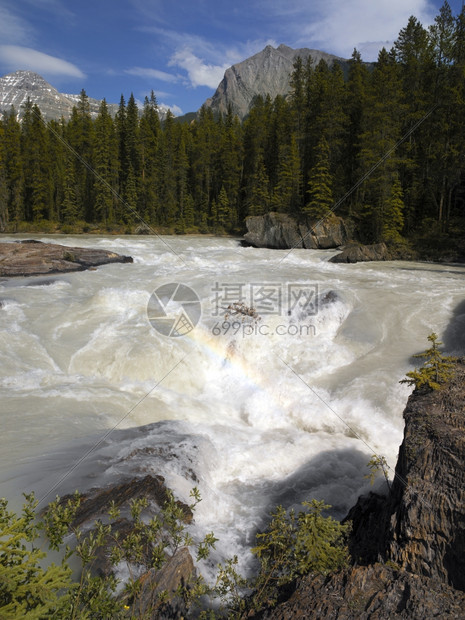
253,419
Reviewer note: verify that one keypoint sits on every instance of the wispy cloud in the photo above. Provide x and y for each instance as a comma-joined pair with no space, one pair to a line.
16,57
338,27
13,29
152,74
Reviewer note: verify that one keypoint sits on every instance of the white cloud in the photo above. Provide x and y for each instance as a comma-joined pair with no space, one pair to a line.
154,74
16,57
200,73
338,27
12,28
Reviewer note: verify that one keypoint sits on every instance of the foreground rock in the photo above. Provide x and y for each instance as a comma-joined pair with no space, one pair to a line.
281,231
377,591
32,258
408,547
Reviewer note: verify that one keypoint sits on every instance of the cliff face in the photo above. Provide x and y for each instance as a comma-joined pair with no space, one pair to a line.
408,547
281,231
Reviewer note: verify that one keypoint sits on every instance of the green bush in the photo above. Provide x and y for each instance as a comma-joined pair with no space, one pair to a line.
292,545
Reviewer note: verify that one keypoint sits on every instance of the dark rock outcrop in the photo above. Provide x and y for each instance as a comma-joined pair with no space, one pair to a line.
360,253
367,592
31,258
421,526
281,231
408,547
356,252
96,503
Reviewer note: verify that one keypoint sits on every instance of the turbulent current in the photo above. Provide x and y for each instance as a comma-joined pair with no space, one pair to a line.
255,411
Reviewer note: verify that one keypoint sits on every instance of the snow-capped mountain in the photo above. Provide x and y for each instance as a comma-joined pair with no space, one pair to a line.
16,87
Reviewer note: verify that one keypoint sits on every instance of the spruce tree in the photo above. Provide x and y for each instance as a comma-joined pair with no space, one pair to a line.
3,184
393,216
287,194
13,167
106,166
69,208
319,192
437,370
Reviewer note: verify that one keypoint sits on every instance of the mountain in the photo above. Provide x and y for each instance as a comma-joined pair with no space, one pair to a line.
16,87
268,72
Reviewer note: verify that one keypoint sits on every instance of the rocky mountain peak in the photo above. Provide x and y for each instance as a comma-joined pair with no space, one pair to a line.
265,73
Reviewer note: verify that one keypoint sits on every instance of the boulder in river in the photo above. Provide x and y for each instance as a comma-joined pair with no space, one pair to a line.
31,257
281,231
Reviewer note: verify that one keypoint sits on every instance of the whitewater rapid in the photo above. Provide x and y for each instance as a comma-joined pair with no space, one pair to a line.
289,408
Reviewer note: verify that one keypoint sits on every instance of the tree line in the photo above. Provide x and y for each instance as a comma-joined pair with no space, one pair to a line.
402,120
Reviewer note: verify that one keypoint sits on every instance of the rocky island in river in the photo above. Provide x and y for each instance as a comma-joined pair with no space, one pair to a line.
32,258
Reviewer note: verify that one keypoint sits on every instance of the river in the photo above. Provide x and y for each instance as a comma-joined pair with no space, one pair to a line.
279,408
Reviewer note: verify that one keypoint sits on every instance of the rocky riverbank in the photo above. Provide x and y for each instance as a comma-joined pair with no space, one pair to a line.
32,258
407,547
283,232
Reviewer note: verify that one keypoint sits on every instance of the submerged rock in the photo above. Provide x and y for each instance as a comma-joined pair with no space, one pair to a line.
31,257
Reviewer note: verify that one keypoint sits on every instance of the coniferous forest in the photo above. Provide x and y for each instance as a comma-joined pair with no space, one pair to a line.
402,118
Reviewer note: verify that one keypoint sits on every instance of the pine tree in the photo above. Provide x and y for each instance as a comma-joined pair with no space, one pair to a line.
13,167
106,166
69,208
393,216
287,194
355,105
223,210
382,129
259,191
3,184
149,135
40,180
437,369
320,195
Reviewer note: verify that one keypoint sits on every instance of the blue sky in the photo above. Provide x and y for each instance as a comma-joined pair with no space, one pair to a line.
181,48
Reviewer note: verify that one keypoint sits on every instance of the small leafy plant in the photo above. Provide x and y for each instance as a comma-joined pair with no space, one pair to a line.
378,464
